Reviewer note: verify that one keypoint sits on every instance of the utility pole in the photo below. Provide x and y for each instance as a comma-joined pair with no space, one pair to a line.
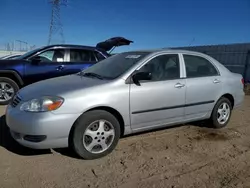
191,41
56,26
22,42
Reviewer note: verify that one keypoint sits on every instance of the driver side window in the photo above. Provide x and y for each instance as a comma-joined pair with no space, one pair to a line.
56,55
163,67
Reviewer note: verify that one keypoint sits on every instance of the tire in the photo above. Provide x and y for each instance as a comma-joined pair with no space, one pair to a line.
5,85
100,139
215,114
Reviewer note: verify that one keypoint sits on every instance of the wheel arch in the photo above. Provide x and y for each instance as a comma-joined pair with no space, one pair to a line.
113,112
104,108
12,75
229,97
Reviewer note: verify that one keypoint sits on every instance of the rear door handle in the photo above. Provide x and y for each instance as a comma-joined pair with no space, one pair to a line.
179,85
216,81
59,68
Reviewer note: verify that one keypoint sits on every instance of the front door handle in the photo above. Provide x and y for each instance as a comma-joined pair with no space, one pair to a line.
59,68
216,81
179,85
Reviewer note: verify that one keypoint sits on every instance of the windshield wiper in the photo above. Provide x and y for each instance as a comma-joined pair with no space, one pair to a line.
91,74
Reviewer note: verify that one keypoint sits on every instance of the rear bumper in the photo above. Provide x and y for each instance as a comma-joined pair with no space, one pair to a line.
239,99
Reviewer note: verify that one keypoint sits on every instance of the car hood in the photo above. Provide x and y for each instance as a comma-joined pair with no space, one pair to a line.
7,64
113,42
8,61
59,86
7,57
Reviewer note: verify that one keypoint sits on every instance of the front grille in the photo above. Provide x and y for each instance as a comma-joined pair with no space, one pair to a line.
16,100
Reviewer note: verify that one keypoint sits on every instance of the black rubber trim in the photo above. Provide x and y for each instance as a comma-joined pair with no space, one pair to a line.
14,73
173,107
35,138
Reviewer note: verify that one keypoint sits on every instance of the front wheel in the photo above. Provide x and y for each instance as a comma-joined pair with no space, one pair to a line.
221,113
95,134
8,89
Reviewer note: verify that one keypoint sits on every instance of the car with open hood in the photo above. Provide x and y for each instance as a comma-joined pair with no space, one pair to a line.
126,93
49,62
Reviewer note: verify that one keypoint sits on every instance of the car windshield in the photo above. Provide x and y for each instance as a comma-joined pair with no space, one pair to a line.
115,65
27,54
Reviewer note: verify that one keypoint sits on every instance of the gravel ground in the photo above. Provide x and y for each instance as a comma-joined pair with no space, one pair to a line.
182,156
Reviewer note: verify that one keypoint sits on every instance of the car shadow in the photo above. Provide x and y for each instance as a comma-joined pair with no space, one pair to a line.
201,124
7,142
68,152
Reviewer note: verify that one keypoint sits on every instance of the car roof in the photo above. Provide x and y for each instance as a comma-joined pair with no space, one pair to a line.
69,46
168,50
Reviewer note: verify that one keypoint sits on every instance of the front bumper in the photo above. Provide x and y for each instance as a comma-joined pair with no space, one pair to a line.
43,130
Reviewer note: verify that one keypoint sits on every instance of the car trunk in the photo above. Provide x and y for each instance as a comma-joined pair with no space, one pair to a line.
112,43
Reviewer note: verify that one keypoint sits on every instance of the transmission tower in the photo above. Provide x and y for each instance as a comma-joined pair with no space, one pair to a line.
56,27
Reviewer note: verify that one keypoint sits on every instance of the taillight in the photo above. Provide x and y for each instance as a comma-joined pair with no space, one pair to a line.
242,81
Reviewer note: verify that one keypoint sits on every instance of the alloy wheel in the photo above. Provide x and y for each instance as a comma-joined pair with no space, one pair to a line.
223,113
98,136
6,91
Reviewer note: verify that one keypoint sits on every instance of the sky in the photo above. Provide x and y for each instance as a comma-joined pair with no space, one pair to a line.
150,24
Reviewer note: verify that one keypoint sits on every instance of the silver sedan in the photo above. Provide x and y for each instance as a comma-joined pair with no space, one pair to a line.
126,93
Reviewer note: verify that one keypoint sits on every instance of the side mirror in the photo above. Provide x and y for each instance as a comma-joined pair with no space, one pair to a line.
36,60
141,76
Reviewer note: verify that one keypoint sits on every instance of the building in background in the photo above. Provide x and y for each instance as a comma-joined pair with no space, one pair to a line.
236,57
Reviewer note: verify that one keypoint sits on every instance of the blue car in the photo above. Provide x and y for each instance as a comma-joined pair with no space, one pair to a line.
49,62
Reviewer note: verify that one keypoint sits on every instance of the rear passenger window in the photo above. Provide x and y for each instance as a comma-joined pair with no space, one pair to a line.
198,67
92,56
99,56
78,55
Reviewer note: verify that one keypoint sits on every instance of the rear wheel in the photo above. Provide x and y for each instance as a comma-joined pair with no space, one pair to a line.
221,113
96,134
8,89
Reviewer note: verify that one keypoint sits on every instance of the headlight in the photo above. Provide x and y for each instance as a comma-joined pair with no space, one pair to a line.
43,104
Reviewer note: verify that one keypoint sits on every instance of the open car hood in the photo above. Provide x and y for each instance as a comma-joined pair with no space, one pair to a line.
112,43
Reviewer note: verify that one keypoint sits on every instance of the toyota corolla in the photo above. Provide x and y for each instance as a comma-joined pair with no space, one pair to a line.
126,93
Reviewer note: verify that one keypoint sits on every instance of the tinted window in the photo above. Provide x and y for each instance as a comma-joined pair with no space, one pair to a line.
163,67
56,55
30,53
79,55
92,56
99,56
116,65
198,67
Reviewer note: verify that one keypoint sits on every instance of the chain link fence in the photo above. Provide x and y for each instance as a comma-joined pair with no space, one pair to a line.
15,47
236,57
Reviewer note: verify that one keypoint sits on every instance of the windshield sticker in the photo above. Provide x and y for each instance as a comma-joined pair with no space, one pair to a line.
132,56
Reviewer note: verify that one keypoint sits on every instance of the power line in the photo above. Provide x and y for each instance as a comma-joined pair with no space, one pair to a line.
56,26
191,41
